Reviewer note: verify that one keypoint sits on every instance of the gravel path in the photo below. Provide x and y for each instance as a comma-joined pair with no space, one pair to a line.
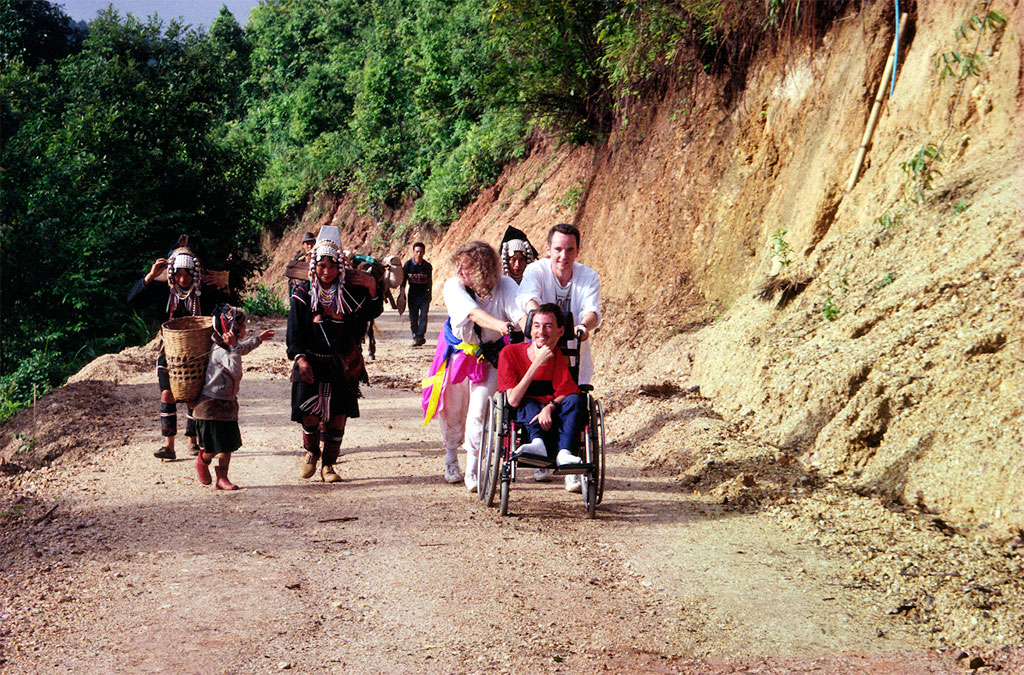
140,569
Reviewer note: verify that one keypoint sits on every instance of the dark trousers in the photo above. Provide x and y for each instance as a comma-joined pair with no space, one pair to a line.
418,306
563,431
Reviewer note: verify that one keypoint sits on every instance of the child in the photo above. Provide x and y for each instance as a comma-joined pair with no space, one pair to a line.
217,411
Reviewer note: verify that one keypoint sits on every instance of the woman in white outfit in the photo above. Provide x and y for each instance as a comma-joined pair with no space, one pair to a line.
482,309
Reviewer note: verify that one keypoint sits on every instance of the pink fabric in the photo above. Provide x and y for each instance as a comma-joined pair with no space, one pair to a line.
460,367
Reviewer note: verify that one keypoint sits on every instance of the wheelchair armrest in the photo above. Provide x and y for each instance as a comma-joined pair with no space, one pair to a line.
586,387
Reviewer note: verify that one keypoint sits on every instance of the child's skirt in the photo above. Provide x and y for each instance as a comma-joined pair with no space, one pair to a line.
216,436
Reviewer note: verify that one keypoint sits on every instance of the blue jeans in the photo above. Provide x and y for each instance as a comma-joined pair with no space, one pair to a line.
564,427
418,307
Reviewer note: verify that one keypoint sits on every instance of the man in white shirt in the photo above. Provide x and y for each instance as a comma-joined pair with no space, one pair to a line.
574,288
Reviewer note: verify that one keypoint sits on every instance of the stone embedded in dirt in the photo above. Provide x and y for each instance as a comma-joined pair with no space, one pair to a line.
976,662
747,480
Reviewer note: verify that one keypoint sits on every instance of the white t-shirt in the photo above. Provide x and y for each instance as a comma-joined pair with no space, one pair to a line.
539,284
501,305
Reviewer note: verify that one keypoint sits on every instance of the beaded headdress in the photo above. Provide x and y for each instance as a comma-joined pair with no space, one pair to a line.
328,245
510,248
184,259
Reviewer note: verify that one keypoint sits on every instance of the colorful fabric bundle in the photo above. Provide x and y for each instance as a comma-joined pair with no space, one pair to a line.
454,361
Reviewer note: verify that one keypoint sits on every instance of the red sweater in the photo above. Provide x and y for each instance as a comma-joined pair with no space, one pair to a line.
551,380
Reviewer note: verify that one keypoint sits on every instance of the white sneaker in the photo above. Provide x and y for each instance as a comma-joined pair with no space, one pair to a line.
542,475
566,457
471,481
573,484
451,472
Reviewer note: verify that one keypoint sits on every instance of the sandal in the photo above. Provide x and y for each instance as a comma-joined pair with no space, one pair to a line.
165,453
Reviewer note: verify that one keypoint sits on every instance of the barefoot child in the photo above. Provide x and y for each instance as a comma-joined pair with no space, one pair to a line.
217,411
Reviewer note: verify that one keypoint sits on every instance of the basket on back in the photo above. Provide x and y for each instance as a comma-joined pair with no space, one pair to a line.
217,277
187,347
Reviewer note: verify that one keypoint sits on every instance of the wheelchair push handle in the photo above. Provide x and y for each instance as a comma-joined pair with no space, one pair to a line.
513,332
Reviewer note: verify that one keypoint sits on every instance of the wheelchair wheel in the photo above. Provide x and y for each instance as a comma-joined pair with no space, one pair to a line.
590,496
597,426
503,505
486,448
491,468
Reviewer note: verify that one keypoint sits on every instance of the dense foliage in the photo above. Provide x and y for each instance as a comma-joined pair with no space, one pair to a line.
116,139
108,153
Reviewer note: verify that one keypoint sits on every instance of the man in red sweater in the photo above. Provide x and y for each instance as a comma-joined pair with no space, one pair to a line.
536,378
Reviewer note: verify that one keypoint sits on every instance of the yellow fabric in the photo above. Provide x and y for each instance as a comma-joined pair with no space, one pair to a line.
436,381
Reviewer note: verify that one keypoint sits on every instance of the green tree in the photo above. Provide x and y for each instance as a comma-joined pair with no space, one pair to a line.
550,58
34,32
113,152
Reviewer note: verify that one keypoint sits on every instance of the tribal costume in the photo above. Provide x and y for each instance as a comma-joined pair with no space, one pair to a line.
178,302
515,241
325,327
217,409
333,348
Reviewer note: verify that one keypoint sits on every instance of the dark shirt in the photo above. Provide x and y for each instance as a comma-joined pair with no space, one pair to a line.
142,295
341,336
419,276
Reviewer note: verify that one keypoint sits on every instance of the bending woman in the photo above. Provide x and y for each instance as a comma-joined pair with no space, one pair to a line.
482,311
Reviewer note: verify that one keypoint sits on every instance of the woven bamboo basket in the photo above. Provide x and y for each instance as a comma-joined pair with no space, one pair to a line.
187,347
217,277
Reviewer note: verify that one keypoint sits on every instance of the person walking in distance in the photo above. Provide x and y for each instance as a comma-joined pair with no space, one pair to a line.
419,275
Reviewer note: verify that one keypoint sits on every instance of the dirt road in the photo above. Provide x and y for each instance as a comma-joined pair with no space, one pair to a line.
141,569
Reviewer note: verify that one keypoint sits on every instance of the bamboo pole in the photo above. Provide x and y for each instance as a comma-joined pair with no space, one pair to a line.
877,107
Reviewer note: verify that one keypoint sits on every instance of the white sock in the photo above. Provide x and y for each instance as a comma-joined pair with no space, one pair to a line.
471,462
566,457
451,455
534,447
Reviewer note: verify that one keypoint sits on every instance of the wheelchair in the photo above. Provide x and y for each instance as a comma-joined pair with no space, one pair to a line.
502,435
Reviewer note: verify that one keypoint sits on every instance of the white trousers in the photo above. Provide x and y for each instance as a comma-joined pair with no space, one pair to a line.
465,413
453,416
479,394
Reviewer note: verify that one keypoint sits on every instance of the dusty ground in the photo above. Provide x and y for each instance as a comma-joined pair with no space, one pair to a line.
115,562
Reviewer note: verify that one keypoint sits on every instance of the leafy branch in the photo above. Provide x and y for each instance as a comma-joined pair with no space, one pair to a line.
921,166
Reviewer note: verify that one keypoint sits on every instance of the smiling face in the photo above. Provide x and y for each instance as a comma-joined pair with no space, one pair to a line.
544,330
326,271
563,251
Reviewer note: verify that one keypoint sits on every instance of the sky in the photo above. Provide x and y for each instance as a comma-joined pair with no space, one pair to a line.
195,12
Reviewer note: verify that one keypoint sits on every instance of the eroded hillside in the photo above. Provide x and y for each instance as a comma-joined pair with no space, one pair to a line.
887,354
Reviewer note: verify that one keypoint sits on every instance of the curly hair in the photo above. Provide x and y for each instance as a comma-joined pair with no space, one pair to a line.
481,264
